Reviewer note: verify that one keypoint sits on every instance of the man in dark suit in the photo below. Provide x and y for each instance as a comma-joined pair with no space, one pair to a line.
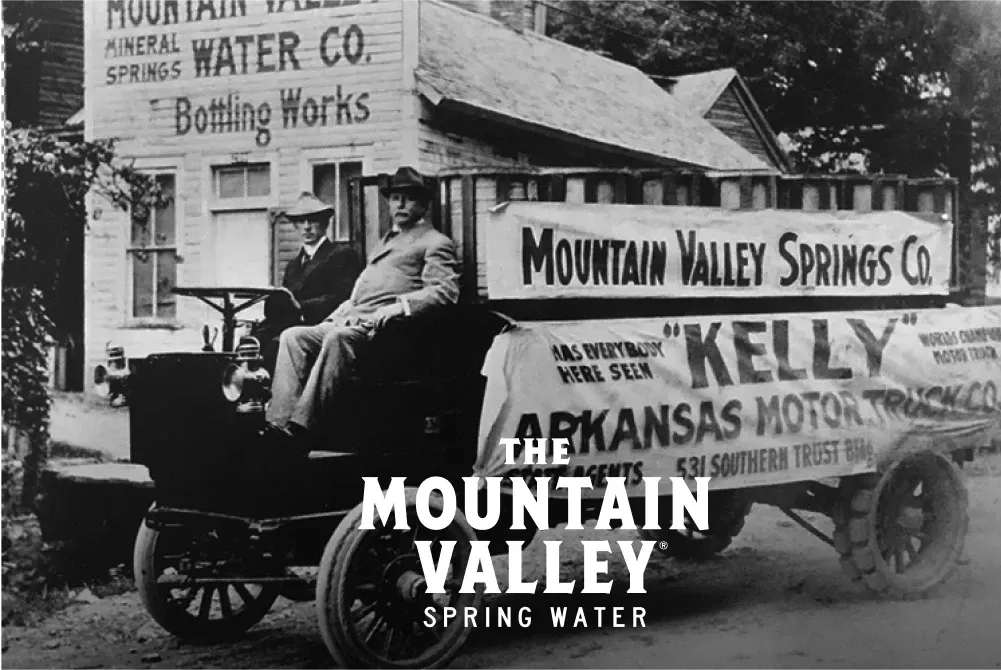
413,269
319,278
321,275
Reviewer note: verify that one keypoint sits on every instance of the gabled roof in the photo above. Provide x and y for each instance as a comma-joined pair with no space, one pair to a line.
700,91
473,64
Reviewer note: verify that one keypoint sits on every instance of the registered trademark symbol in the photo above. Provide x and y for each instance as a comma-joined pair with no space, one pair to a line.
662,546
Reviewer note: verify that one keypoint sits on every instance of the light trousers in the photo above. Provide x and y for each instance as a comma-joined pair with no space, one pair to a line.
313,363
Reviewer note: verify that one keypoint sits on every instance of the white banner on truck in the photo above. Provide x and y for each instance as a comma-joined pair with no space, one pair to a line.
747,400
558,250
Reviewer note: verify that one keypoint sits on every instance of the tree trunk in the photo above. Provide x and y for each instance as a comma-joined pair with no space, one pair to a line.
971,234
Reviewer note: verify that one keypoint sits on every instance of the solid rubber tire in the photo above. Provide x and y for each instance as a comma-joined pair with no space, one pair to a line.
856,518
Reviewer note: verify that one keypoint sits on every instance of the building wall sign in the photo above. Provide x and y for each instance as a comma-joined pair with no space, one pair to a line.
231,68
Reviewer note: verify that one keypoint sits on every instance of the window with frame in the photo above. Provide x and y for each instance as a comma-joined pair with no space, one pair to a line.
153,256
242,181
331,184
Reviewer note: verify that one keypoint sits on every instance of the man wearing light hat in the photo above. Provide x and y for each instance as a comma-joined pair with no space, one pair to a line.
319,278
414,268
321,275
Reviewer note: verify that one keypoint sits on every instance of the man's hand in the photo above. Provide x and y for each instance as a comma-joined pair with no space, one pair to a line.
342,310
356,321
384,315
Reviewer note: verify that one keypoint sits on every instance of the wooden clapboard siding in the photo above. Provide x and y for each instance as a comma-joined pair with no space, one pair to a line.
448,140
145,112
516,14
60,92
440,150
60,86
141,118
722,95
730,115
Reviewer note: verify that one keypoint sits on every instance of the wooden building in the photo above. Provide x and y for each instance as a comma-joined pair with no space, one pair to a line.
722,98
238,105
44,93
51,75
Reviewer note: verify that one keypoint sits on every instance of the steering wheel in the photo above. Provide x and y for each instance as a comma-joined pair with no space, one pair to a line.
229,308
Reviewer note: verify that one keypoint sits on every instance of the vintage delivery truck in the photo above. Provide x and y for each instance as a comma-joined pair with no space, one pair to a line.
806,360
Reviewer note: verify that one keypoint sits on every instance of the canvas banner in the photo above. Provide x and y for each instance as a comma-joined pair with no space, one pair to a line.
746,400
556,250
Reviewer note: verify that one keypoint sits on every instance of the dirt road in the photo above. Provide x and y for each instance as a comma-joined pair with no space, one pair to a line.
775,599
91,425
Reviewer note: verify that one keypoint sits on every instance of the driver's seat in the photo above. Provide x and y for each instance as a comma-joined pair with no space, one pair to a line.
418,383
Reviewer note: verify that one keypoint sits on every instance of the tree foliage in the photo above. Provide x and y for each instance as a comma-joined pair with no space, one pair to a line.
47,180
840,77
909,87
23,45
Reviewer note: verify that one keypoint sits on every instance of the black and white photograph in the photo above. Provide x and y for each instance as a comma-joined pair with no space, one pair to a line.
501,334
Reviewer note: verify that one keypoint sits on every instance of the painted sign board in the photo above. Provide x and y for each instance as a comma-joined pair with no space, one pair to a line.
747,400
556,250
239,73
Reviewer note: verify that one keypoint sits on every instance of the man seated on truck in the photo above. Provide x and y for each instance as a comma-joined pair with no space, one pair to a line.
413,269
319,278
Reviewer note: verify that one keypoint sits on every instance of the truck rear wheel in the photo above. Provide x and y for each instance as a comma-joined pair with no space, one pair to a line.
902,532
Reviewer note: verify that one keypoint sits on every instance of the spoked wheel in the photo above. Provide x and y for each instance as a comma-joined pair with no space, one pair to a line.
727,512
371,597
905,531
164,562
304,589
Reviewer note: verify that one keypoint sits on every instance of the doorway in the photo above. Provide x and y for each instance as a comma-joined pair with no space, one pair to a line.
243,249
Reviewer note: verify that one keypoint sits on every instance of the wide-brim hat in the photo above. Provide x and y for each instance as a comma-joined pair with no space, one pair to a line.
308,205
407,180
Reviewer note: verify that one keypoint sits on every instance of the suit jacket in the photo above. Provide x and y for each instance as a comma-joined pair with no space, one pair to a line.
419,266
324,282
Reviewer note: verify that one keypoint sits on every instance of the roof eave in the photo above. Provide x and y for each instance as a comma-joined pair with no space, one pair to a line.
717,91
720,89
428,92
765,129
454,105
756,115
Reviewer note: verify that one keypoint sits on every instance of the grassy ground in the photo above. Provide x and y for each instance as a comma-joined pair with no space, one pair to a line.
40,578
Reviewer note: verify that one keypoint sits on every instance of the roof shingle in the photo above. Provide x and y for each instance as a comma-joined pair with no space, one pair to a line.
473,60
699,90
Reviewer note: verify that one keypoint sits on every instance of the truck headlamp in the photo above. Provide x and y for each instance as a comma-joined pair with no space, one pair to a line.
245,381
